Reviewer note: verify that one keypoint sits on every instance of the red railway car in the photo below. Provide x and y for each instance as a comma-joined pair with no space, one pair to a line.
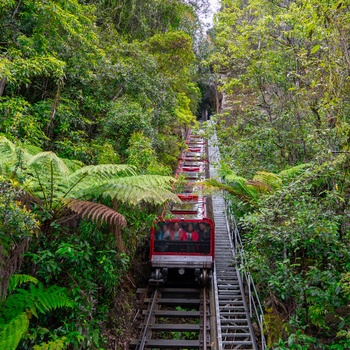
182,240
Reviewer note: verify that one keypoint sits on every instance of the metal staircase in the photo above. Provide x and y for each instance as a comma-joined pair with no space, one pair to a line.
235,330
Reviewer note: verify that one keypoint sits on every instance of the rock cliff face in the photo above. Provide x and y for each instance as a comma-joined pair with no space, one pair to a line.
211,101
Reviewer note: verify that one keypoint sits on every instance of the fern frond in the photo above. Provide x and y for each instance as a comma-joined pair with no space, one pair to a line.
19,279
50,298
45,161
50,177
96,212
259,186
33,150
136,189
10,153
36,299
232,179
102,172
247,197
271,180
7,149
239,186
73,164
58,344
293,172
12,332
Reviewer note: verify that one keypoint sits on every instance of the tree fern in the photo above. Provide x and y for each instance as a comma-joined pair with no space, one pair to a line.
51,180
47,160
12,332
233,179
247,190
135,189
44,300
96,212
49,175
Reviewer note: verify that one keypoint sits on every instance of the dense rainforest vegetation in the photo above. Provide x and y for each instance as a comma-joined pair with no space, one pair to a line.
95,97
285,147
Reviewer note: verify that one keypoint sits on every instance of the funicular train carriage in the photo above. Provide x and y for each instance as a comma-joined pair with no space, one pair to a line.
183,238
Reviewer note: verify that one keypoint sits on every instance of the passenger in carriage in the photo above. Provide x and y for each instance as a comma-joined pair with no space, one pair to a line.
158,235
165,233
204,232
178,234
192,235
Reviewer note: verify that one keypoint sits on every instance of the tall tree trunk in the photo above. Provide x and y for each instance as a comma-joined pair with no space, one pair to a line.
50,126
2,85
117,233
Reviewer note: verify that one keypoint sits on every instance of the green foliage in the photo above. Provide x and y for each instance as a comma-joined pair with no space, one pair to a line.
124,118
17,226
287,112
58,344
154,189
51,180
292,173
297,341
17,121
143,156
37,300
19,279
11,333
183,112
304,223
21,304
96,271
283,108
143,18
173,50
74,113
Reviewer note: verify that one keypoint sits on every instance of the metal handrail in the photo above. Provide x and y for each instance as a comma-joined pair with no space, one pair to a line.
255,308
217,312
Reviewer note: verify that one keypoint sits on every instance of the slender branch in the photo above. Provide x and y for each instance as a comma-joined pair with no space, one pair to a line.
17,8
51,185
41,185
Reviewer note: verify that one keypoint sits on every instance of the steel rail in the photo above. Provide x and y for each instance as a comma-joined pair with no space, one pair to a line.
201,298
142,343
204,291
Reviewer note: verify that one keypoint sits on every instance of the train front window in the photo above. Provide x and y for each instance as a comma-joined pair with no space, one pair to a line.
182,237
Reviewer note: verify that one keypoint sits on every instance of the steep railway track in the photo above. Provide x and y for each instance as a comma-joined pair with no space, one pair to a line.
176,318
218,317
